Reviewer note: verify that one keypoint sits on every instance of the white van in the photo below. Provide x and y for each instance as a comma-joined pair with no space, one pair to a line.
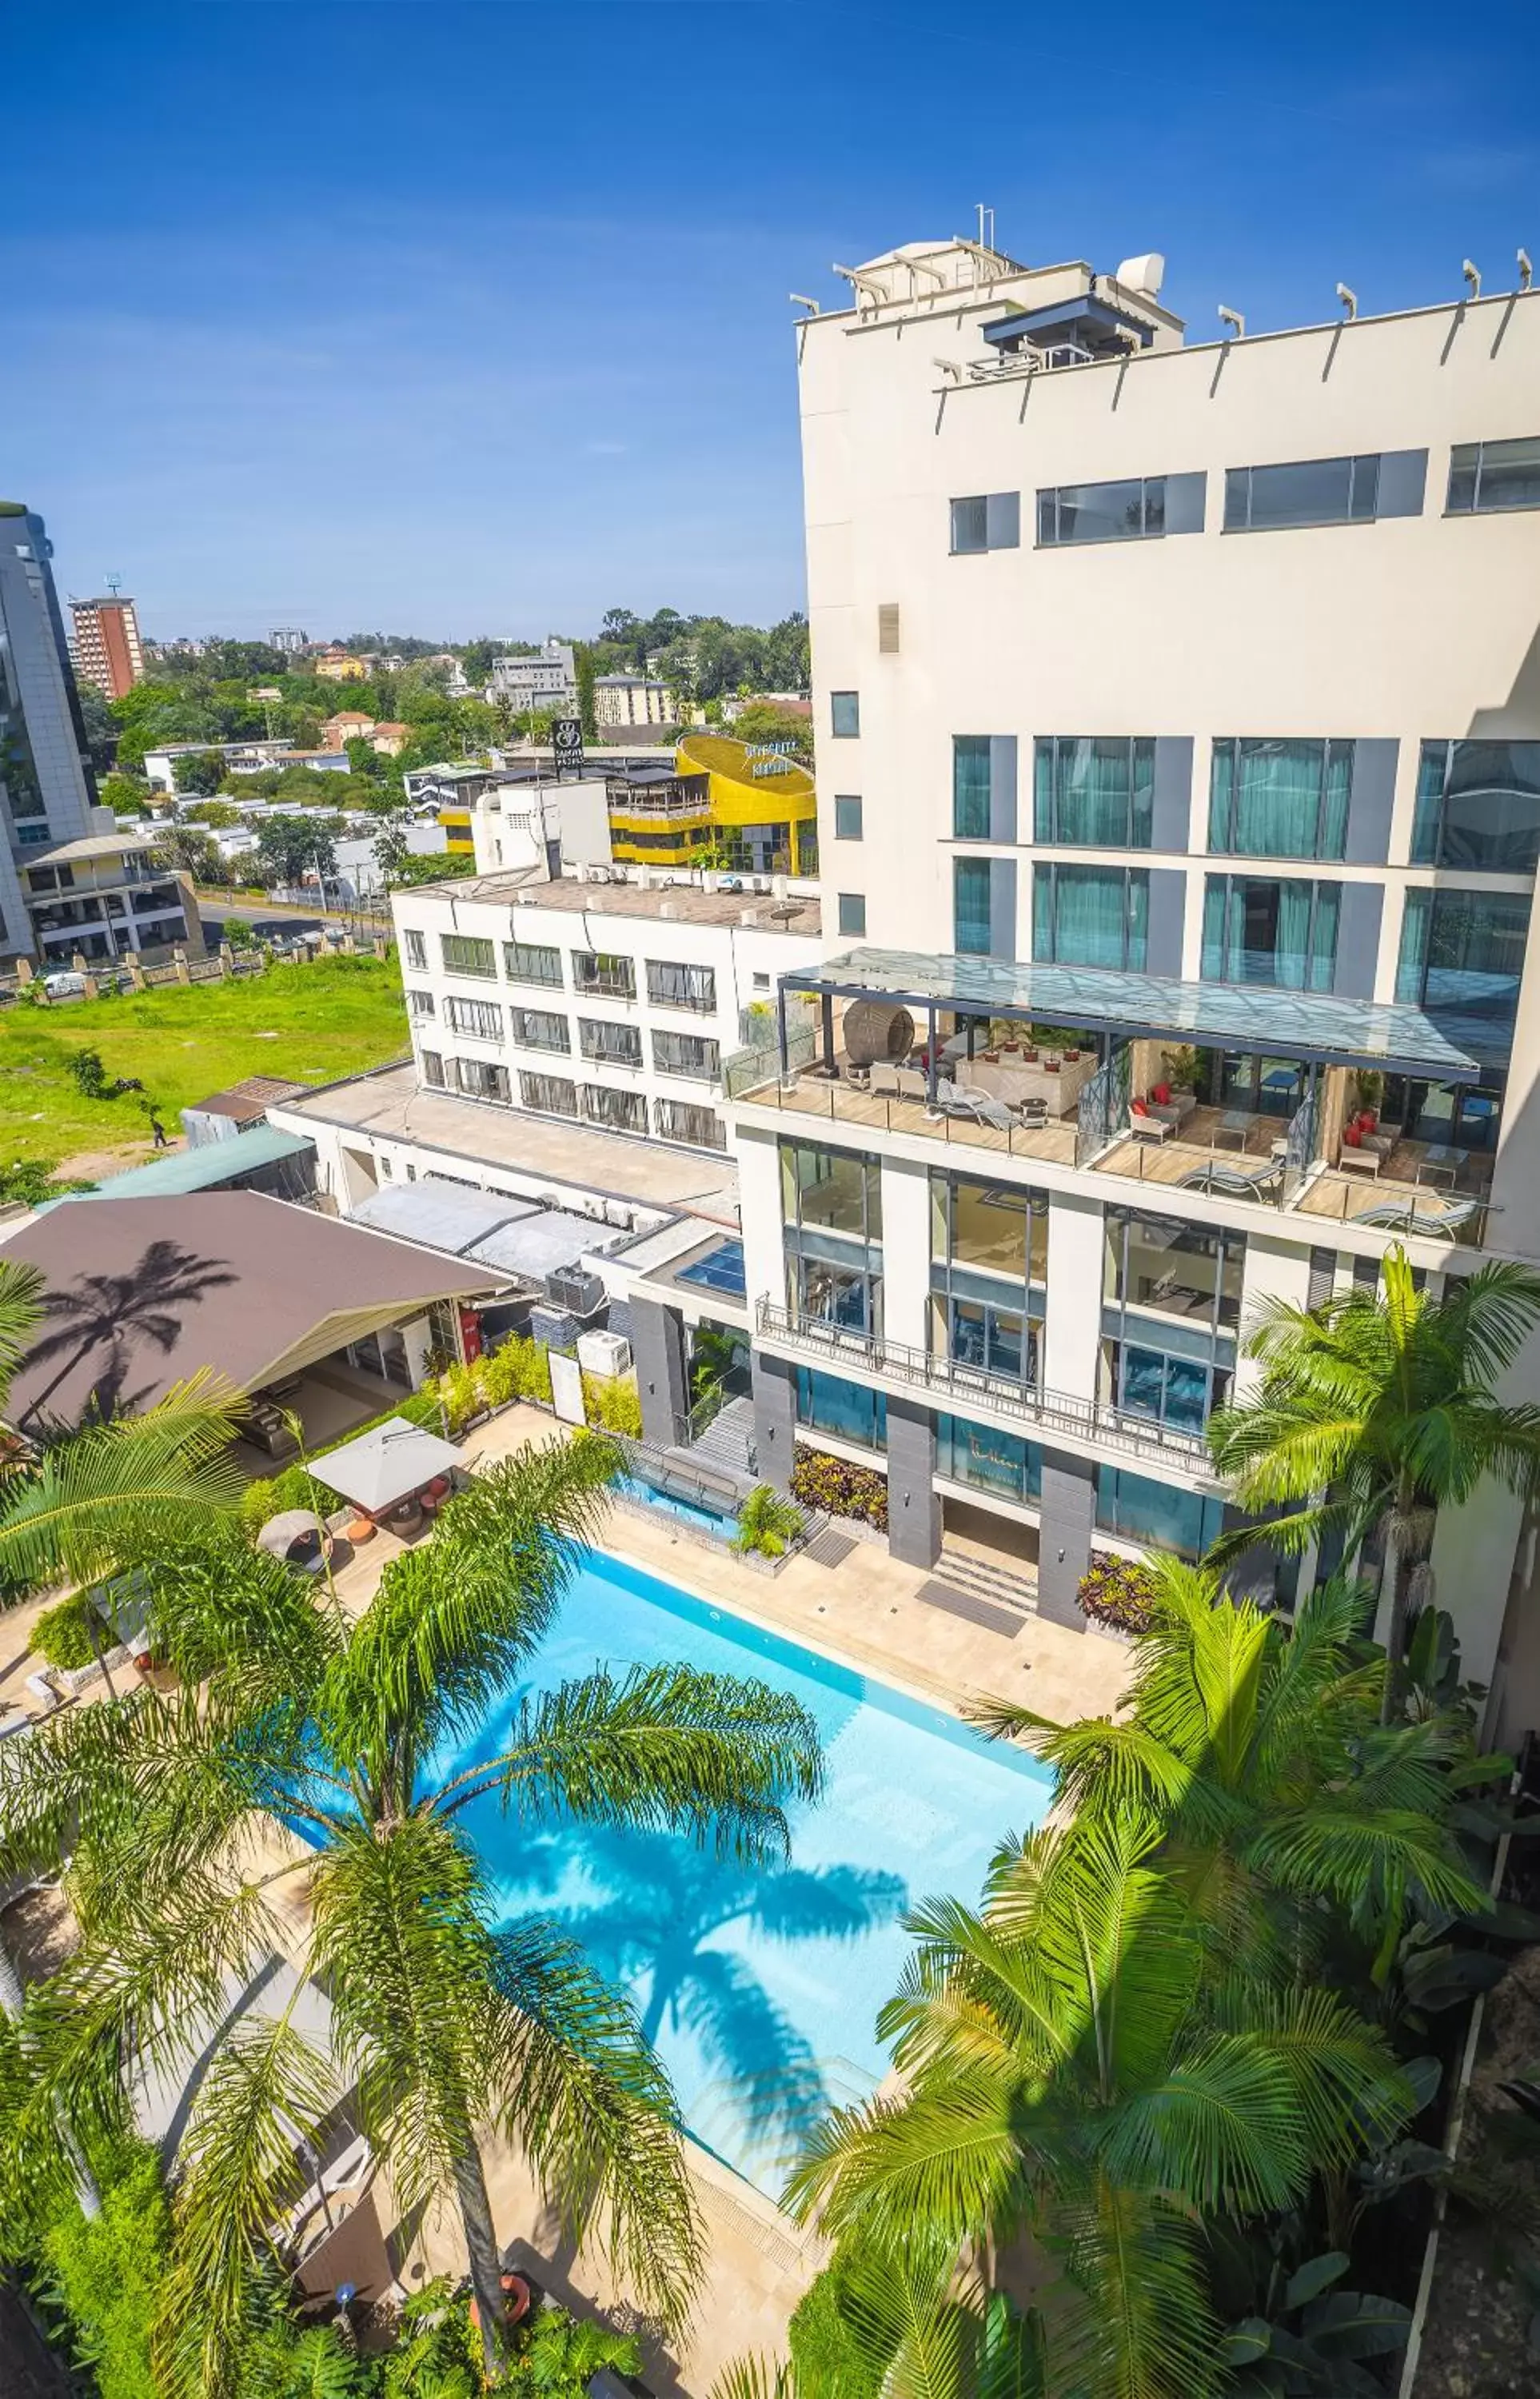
64,984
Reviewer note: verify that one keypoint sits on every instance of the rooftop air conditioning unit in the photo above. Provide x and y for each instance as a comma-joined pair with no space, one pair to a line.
579,1293
607,1354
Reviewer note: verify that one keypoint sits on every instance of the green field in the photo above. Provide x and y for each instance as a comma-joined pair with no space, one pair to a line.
308,1022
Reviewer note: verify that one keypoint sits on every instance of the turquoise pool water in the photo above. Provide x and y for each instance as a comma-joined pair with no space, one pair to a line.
760,1987
685,1511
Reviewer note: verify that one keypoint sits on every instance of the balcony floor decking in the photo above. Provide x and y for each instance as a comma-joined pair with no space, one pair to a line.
841,1103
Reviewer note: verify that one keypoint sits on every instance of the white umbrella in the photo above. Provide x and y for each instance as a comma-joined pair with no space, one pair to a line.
386,1464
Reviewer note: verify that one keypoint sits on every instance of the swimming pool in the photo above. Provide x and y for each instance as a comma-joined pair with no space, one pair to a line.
667,1503
760,1988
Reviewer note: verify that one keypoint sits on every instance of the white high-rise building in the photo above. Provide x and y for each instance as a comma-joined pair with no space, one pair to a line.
1178,710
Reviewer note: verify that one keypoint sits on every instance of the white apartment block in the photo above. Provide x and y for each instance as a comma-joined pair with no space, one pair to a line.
630,699
547,681
1178,714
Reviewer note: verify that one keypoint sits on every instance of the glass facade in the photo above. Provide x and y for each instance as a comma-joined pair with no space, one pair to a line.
1478,807
1181,1272
477,1079
1090,915
1280,799
831,1207
970,786
1097,794
1485,476
972,890
998,1462
1464,950
1137,1509
1126,512
989,1243
1310,492
828,1403
1280,932
834,1189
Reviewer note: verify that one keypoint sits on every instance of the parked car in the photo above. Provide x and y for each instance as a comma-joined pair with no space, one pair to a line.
64,984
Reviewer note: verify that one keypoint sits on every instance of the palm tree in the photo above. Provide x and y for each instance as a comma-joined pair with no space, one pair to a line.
1076,2070
1374,1412
1261,1755
446,2024
768,1523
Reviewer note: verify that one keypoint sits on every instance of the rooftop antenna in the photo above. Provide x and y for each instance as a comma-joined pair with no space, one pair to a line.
1349,300
1233,318
1526,271
115,584
986,227
1473,276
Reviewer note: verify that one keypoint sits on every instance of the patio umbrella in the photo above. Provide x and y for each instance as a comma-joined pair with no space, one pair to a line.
281,1534
386,1465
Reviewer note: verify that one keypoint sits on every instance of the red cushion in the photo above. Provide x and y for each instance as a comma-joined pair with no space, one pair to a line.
1138,1108
1161,1095
1353,1136
1365,1121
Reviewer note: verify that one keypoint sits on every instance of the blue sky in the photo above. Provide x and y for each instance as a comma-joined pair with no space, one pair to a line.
461,319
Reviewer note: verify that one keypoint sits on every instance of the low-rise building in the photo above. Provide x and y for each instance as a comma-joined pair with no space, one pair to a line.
336,665
390,739
103,897
549,680
630,699
347,725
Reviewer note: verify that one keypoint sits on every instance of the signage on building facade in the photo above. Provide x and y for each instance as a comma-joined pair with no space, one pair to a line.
567,742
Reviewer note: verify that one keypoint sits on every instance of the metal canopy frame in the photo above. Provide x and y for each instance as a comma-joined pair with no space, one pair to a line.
1319,1028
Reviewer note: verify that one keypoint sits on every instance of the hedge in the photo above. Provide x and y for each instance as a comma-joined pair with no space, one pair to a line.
62,1635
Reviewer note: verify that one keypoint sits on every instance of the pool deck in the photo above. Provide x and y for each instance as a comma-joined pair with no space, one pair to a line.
865,1612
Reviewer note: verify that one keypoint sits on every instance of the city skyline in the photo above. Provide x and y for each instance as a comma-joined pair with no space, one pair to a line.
478,352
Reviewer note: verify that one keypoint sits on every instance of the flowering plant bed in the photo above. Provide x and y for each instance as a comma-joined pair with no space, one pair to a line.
1117,1592
837,1488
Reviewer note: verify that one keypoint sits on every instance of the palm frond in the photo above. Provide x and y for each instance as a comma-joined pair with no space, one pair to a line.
22,1292
1132,2319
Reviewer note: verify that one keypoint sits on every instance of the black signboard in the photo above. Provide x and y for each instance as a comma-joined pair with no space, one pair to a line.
567,741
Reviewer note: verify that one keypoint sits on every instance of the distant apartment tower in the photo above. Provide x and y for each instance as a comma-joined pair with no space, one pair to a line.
105,644
549,680
47,789
289,639
630,699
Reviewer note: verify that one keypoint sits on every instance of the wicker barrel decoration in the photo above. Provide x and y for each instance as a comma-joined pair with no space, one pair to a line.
874,1029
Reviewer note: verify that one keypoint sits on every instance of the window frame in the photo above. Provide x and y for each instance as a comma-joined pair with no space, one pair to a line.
595,1033
850,903
1475,466
1431,812
1145,531
667,1110
843,802
1054,868
1235,745
1001,521
1047,749
696,992
474,1020
607,1105
603,982
518,1018
457,966
667,1037
1315,885
515,966
850,731
415,946
1356,461
535,1085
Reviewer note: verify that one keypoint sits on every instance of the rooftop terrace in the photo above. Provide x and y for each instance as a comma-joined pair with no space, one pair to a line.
682,903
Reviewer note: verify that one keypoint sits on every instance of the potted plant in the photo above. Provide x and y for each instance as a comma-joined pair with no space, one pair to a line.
1182,1066
1367,1089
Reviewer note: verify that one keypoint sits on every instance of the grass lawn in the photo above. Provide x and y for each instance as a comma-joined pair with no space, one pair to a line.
309,1022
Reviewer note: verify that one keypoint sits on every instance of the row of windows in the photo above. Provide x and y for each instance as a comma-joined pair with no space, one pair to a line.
691,1054
670,982
1459,948
594,1104
1485,478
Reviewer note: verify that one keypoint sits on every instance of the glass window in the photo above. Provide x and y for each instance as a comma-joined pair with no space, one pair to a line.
465,955
1280,799
832,1188
1162,1267
681,1121
1464,950
1137,1509
1126,511
673,985
549,1095
970,786
532,962
845,714
1095,793
600,971
539,1028
433,1069
617,1111
687,1053
1283,933
1174,1391
826,1291
1487,476
1090,915
828,1403
420,1003
984,1339
416,948
1310,492
996,1227
848,817
480,1080
480,1018
851,906
988,520
972,893
1000,1462
615,1045
1478,807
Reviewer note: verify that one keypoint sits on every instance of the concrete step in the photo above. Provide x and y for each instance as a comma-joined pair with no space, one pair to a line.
728,1440
1002,1586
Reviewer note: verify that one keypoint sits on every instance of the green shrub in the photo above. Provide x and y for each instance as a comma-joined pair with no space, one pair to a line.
613,1403
460,1392
768,1523
837,1488
104,2273
519,1369
62,1634
1117,1592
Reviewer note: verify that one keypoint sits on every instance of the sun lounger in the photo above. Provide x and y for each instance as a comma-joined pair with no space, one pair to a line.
977,1106
1405,1216
1233,1182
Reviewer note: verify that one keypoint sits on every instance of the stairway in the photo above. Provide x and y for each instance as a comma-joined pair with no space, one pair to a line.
727,1441
998,1586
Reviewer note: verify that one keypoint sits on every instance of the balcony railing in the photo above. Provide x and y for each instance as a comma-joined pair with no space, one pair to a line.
1045,1412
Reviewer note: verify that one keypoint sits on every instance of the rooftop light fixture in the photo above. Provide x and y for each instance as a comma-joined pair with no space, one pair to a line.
948,368
1232,316
800,300
1473,276
1349,300
1526,272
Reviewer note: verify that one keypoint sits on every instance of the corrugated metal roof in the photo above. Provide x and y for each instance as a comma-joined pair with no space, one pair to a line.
444,1215
203,1169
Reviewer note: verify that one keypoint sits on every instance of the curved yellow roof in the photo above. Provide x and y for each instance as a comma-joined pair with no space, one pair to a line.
739,794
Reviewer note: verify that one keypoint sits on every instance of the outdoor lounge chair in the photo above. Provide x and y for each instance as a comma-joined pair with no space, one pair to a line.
1405,1216
1233,1182
981,1107
884,1079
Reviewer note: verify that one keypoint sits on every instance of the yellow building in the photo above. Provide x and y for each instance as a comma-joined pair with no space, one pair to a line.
729,803
338,665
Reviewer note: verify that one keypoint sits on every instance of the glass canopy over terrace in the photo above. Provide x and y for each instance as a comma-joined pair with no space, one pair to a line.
1455,1046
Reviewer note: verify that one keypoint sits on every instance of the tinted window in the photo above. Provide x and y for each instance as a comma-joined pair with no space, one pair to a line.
1493,475
1313,492
845,708
848,817
1478,805
852,911
1126,511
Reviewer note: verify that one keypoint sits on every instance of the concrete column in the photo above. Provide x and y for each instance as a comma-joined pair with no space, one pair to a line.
775,1417
906,1250
1064,1540
1275,1269
914,1507
760,1216
657,1343
1073,1321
